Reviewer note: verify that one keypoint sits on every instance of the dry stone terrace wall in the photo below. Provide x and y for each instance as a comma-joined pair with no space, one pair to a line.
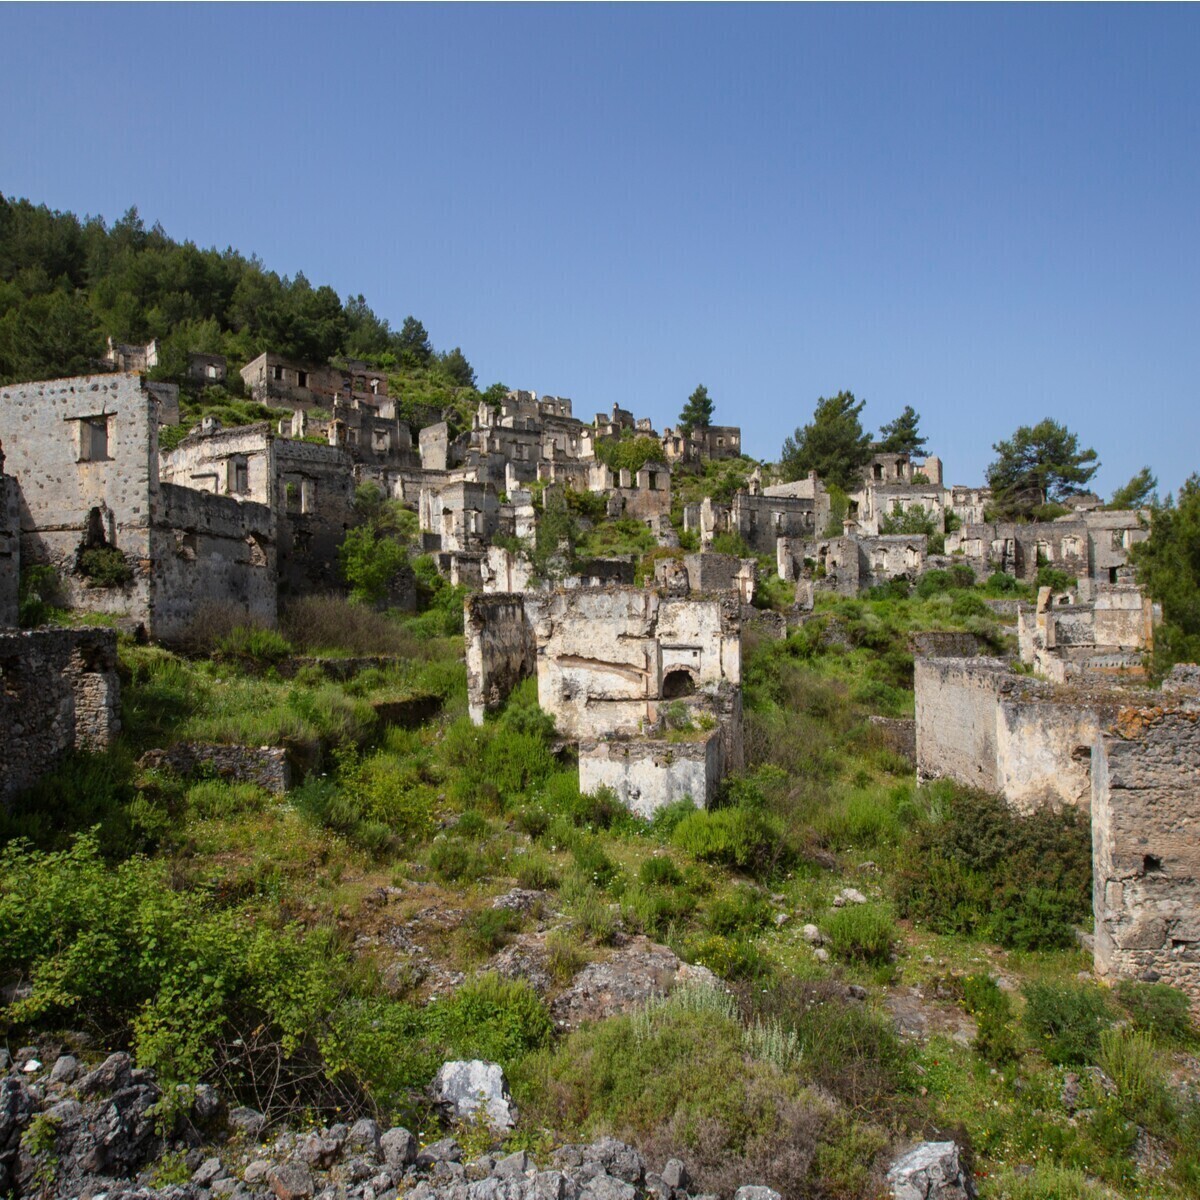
1146,845
59,692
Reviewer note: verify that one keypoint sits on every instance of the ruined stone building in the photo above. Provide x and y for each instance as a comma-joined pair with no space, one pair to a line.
1089,545
1128,756
84,453
130,358
616,666
207,368
1069,636
307,487
274,379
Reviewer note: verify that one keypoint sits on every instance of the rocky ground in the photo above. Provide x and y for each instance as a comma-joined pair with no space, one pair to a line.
68,1130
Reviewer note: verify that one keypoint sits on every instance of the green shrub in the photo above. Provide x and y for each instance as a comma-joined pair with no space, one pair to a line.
729,957
659,871
743,911
968,604
734,837
1055,579
500,1020
535,871
1002,584
865,932
39,592
1066,1020
1158,1009
253,643
490,929
104,567
454,861
993,1013
1128,1058
973,866
217,799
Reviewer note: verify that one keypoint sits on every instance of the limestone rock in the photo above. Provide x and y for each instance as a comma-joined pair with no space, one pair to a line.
399,1147
471,1090
848,896
930,1171
756,1192
291,1181
637,971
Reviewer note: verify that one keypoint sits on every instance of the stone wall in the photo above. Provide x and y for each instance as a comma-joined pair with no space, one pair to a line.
986,727
944,643
59,692
10,547
1146,846
210,548
500,650
608,656
265,766
648,774
85,454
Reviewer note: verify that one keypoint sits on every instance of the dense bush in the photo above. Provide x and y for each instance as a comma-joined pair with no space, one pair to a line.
104,567
746,839
974,866
1066,1020
865,932
1158,1009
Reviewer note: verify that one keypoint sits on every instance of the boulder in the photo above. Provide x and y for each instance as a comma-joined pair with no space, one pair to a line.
756,1192
475,1090
111,1074
291,1181
399,1147
930,1171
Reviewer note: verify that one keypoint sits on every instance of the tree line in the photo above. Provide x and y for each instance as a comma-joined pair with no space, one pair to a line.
67,285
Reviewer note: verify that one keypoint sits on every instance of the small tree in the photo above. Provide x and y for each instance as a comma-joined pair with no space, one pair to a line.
833,443
369,561
1039,464
697,412
456,368
411,344
1168,566
902,435
1139,492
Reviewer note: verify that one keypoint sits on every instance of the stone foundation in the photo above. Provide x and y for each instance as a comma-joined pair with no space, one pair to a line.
500,650
648,774
265,766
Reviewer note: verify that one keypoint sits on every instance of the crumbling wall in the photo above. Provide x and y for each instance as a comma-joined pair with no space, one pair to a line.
500,650
608,656
982,725
956,706
59,692
265,766
1146,846
85,453
210,549
10,547
648,774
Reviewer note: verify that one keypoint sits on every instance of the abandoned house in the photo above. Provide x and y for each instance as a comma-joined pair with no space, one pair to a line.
84,453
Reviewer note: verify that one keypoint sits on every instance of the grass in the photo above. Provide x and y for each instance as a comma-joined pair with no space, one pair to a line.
781,1076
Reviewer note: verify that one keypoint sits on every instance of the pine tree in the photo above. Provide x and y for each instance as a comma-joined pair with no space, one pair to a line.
697,412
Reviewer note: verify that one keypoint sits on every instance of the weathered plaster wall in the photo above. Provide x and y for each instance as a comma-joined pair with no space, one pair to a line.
956,706
500,650
982,725
648,774
1146,846
59,692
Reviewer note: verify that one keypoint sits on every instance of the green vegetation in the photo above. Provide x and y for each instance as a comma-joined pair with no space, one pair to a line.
1039,465
1168,567
201,910
629,452
833,443
698,411
903,436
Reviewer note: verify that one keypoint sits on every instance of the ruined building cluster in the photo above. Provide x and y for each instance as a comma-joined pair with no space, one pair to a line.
645,679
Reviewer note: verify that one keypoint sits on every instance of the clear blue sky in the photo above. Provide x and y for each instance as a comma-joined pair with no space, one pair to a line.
990,213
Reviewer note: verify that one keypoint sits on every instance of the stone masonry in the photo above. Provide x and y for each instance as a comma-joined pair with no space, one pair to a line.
1146,845
59,692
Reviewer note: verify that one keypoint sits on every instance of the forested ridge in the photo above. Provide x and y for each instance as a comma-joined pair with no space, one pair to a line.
67,285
